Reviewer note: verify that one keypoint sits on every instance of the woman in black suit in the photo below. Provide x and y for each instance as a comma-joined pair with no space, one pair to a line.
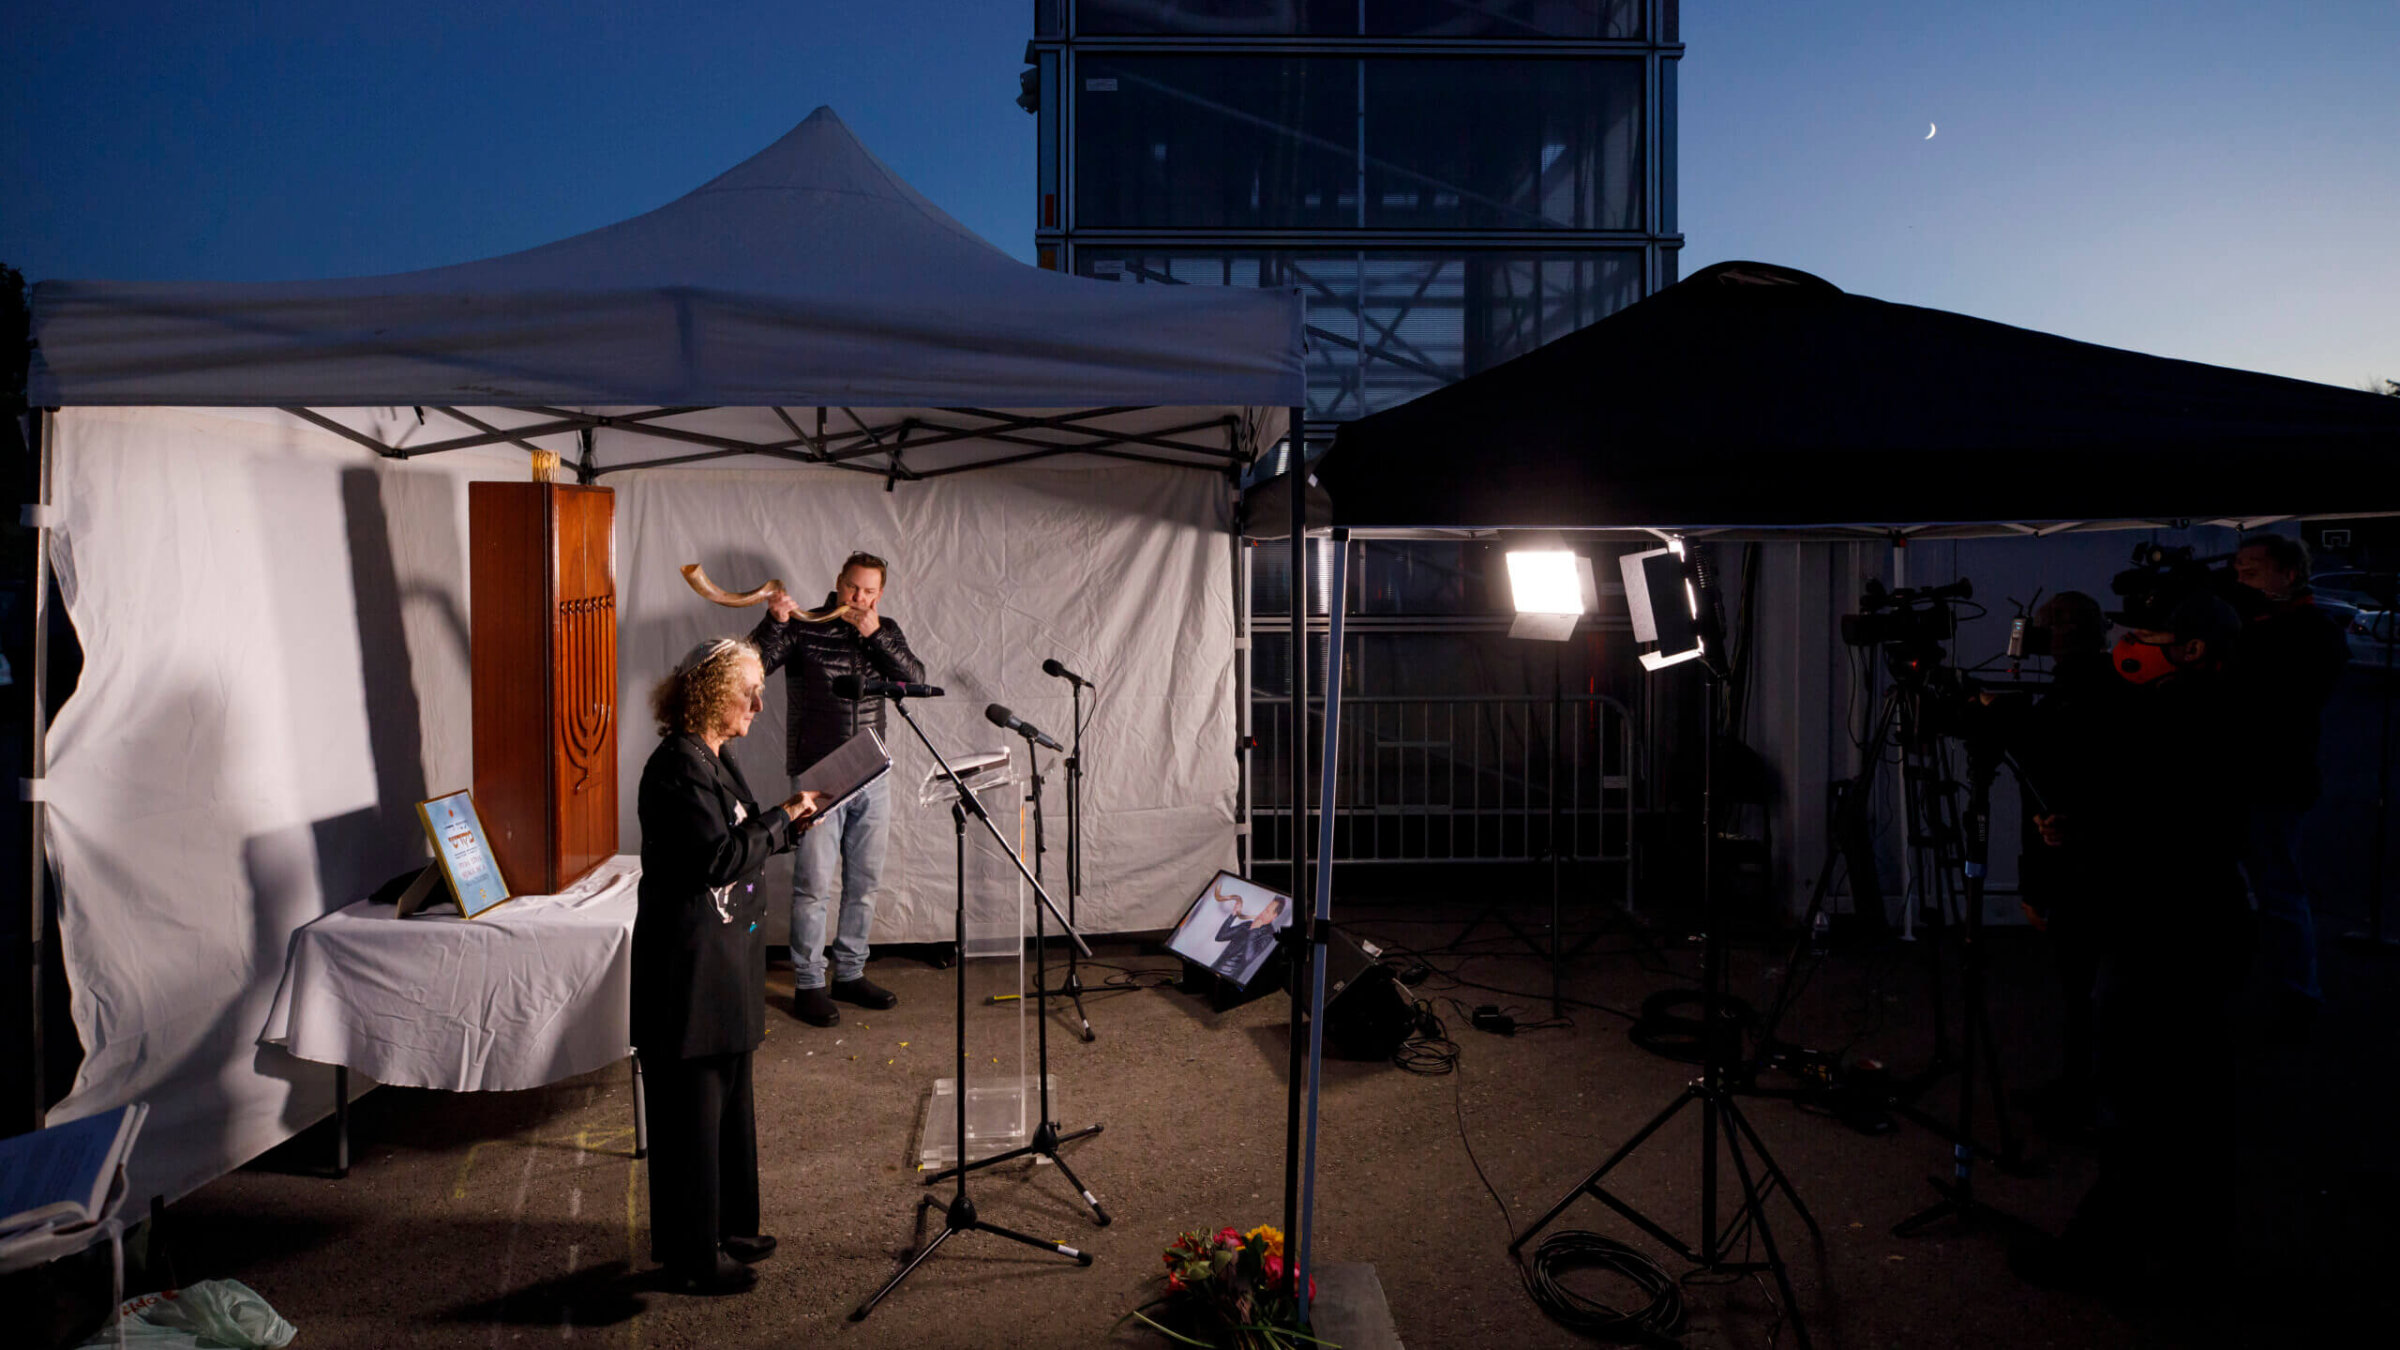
699,967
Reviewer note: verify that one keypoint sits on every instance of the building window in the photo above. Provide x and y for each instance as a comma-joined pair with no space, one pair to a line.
1506,19
1269,142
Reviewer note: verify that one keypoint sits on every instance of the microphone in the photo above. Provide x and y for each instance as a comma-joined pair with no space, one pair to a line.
1052,667
1002,717
857,687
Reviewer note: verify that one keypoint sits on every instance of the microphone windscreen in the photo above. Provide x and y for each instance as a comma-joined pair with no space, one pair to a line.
848,686
1053,667
997,715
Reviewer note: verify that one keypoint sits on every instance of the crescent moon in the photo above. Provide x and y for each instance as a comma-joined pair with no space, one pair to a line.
1930,128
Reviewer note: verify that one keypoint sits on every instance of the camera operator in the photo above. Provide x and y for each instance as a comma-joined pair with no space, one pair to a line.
2168,927
2293,655
2064,757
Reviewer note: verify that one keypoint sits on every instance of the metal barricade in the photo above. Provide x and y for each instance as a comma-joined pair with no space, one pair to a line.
1457,779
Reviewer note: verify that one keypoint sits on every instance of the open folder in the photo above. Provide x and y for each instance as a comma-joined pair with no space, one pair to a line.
847,771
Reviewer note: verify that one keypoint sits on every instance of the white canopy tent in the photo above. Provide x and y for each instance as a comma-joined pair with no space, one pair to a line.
254,500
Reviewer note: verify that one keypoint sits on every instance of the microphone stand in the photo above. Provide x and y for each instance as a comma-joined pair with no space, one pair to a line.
958,1216
1072,989
1046,1136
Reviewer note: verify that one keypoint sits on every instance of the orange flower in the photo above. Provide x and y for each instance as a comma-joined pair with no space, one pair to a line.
1273,1236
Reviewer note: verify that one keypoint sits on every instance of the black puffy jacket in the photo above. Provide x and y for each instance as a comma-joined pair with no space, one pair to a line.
812,655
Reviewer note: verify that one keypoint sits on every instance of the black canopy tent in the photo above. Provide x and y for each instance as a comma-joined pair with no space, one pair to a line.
1755,397
1757,401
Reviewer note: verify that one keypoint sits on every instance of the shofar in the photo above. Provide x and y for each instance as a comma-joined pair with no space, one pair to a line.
709,590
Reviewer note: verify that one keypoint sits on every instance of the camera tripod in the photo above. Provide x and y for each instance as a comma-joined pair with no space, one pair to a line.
1046,1136
1946,872
959,1215
1721,1117
1958,1194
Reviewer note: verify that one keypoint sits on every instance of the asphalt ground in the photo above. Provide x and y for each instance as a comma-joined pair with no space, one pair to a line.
518,1218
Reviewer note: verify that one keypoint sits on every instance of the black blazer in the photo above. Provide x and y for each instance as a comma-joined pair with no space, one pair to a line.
699,957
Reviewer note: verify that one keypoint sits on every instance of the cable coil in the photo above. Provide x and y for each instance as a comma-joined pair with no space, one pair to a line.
1657,1323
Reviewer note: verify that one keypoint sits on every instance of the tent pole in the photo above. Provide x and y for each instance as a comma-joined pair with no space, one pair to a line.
1296,1240
1908,880
1245,837
1296,945
37,892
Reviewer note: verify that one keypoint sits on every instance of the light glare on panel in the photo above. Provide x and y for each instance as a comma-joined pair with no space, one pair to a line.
1545,581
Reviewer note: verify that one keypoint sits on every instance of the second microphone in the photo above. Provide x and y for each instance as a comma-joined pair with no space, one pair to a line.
1000,716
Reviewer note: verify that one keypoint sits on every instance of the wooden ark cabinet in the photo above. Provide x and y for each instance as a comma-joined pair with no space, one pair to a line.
543,585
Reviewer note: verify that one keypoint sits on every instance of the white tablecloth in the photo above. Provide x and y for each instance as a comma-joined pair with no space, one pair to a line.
535,991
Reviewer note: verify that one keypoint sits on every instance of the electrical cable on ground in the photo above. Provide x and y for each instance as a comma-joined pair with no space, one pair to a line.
1429,1049
1395,950
1658,1322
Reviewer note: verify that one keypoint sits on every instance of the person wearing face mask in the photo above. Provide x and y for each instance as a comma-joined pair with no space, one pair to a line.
2293,655
2169,926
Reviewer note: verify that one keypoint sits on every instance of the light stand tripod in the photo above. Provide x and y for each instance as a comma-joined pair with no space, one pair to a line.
1958,1194
1497,907
958,1216
1558,842
1046,1137
1721,1117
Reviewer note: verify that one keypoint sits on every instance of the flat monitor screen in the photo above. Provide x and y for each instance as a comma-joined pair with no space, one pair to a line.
1230,927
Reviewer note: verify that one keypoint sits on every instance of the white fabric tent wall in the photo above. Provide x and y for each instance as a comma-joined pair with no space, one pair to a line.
1124,573
274,633
276,670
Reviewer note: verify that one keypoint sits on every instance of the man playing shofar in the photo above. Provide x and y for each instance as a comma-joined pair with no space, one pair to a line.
843,856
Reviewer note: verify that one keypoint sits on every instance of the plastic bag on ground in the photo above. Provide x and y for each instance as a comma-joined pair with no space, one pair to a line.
210,1315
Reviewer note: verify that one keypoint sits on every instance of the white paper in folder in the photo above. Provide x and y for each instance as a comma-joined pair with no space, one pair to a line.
843,774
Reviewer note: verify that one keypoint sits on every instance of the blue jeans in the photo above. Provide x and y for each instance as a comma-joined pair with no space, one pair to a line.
2287,935
841,857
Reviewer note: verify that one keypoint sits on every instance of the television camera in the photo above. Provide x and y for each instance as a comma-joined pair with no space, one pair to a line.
1910,624
2164,575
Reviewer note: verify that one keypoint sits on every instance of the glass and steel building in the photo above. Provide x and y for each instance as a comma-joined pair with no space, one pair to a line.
1451,182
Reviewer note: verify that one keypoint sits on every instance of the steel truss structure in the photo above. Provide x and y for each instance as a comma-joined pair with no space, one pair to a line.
1421,262
942,441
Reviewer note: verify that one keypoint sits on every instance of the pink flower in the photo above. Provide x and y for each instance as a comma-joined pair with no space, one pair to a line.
1229,1237
1274,1268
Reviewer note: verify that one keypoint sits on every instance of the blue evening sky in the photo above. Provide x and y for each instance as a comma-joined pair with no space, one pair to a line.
2216,179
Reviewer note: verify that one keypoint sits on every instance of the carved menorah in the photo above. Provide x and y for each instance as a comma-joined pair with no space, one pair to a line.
544,612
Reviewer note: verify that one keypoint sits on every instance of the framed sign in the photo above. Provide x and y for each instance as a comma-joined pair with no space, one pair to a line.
462,854
1229,928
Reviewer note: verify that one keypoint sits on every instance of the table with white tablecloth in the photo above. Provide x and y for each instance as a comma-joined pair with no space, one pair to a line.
535,991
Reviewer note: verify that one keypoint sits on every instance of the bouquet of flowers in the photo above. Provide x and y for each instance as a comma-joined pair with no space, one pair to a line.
1228,1290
